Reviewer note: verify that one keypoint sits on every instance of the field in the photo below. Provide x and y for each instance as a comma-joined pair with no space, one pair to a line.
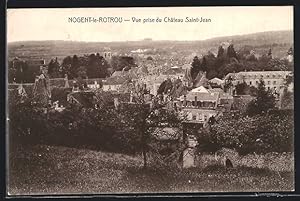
42,169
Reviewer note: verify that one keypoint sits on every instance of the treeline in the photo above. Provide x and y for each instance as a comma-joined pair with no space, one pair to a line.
229,60
86,66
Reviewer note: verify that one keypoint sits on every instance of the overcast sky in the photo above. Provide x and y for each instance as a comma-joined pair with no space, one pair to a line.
52,24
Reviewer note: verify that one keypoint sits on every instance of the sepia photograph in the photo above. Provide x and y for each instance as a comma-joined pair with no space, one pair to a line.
124,100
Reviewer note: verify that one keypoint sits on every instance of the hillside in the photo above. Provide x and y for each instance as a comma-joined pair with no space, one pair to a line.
42,170
279,41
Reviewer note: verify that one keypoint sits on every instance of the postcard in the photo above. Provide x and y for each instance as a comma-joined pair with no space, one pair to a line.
150,100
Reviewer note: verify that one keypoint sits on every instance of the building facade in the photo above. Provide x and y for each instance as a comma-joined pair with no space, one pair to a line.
199,105
274,80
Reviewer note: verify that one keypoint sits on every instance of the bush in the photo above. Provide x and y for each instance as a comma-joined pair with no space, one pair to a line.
75,126
261,133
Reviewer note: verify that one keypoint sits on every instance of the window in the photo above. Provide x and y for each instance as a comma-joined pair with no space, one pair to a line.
250,83
256,82
194,117
269,82
274,82
268,88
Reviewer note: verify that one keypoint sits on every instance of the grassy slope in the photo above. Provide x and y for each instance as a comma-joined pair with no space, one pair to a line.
48,170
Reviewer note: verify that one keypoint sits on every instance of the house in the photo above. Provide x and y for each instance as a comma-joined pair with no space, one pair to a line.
174,72
274,80
199,105
59,95
216,81
86,99
113,83
95,83
225,99
201,80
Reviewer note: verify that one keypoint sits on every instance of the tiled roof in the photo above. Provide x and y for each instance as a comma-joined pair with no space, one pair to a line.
60,94
84,98
216,90
216,80
57,82
27,86
117,73
118,80
223,95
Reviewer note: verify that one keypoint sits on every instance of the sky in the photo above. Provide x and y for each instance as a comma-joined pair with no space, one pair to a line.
53,24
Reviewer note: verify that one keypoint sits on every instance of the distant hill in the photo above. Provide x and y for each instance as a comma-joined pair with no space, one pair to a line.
279,41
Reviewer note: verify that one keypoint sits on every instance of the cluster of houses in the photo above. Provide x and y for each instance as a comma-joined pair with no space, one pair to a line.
202,103
206,100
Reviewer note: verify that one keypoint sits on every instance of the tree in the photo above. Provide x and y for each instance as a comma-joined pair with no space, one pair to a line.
220,52
270,53
81,72
277,65
102,65
204,65
119,63
74,66
287,100
196,67
231,52
263,102
20,72
260,134
66,66
53,68
141,119
244,89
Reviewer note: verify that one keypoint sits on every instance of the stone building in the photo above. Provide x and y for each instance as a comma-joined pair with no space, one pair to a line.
274,80
199,105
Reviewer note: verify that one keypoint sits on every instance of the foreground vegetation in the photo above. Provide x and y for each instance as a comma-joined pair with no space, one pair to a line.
60,170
